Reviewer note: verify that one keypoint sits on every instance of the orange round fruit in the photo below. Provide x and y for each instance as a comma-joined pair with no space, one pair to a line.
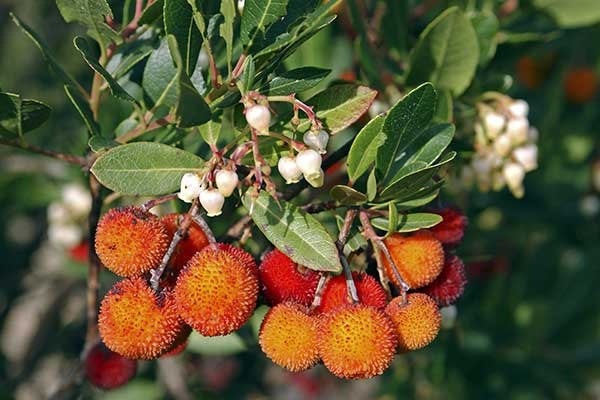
284,280
580,85
419,258
136,322
356,341
216,293
193,241
288,336
417,321
130,241
335,293
241,255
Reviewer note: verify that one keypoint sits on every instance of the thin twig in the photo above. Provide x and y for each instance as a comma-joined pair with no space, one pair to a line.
197,218
383,279
143,128
343,236
183,228
319,292
50,153
150,204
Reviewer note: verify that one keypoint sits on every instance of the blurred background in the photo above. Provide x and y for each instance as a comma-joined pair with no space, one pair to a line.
528,326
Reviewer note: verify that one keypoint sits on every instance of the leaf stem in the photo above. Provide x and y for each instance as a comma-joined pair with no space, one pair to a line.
299,105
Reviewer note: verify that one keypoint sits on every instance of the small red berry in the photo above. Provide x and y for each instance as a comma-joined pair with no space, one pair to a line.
108,370
452,229
450,284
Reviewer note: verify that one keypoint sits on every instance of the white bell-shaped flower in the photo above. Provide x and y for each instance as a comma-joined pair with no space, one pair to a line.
259,118
494,124
514,174
502,145
212,200
519,108
288,168
309,162
316,179
190,188
517,129
226,181
527,156
317,140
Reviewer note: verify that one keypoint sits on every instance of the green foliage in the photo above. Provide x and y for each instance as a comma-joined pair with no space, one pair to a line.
571,13
18,115
91,14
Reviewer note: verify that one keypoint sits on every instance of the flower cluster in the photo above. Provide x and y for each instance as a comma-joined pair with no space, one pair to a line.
505,146
66,216
212,199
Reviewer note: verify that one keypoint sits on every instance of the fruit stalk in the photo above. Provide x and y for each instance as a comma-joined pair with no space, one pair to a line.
150,204
319,292
185,224
197,218
343,236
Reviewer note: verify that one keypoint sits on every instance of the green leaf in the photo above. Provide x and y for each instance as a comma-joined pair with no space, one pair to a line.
191,109
444,110
294,81
144,168
247,79
216,346
210,132
371,185
179,22
83,108
347,196
91,14
571,13
271,149
356,240
486,27
409,180
429,145
48,57
152,12
130,54
86,51
363,151
340,106
407,222
404,121
447,53
18,115
226,29
421,197
258,14
294,232
393,218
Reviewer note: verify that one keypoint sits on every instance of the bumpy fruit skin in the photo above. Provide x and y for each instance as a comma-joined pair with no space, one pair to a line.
108,370
356,341
283,280
216,293
335,293
241,255
417,321
175,350
137,323
450,285
130,241
580,85
288,336
452,229
194,241
419,258
180,342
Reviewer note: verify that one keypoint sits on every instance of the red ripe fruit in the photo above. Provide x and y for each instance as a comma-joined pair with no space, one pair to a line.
108,370
450,284
193,241
284,280
335,293
452,229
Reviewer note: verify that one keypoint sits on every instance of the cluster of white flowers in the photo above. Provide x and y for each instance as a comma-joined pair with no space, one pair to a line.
505,146
194,186
66,217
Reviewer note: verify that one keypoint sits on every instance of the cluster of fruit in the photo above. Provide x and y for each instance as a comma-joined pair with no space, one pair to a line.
213,288
505,146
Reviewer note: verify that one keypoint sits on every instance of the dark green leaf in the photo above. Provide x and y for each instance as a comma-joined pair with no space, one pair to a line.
392,218
407,222
571,13
486,27
372,185
86,51
91,14
422,196
294,232
347,196
191,109
247,79
444,111
340,106
294,81
18,115
83,108
152,12
129,54
404,121
179,22
363,151
447,53
429,145
226,29
144,168
258,15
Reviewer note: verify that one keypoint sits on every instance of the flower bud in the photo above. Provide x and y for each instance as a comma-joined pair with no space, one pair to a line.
315,179
191,186
502,145
527,156
212,201
226,181
494,123
309,162
519,108
514,174
240,6
317,140
289,170
259,118
517,129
